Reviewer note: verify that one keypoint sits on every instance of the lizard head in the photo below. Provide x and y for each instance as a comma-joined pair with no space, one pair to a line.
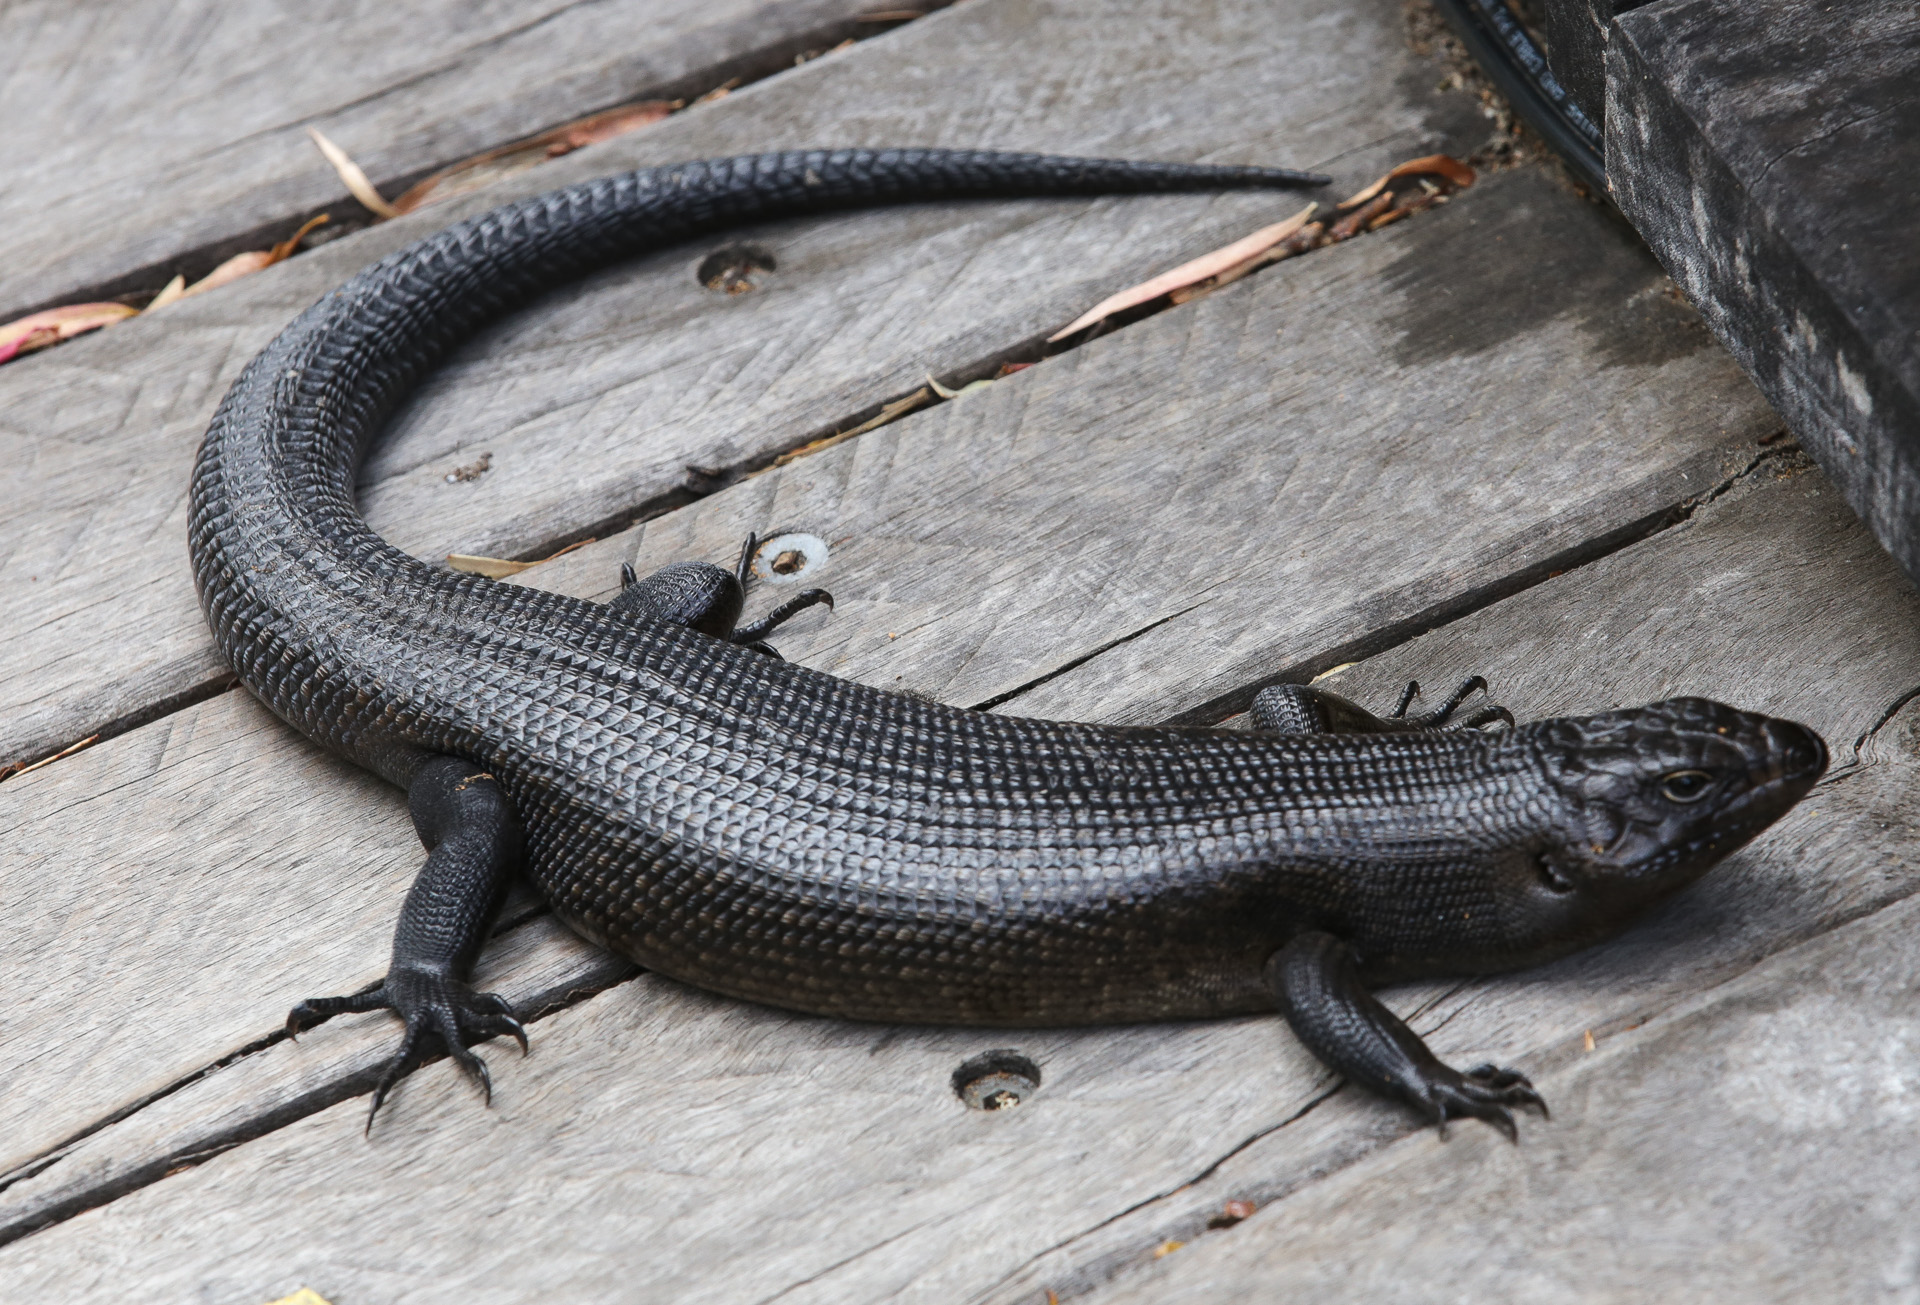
1651,797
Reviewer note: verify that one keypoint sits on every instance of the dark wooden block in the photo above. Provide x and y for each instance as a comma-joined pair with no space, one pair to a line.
1768,151
1576,37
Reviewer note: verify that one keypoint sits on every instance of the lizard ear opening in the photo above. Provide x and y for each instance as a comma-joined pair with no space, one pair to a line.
1555,879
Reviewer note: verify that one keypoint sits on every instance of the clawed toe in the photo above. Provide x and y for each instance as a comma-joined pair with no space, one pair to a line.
1485,1092
315,1009
1442,717
434,1008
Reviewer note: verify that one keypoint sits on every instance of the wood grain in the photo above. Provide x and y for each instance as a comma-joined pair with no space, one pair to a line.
1754,1144
979,534
1153,1129
148,138
699,1147
1762,150
597,403
1254,486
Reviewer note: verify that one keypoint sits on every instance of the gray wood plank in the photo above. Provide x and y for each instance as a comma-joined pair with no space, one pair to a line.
149,138
1773,597
1843,606
1449,428
698,1147
1755,1144
596,404
1764,151
934,524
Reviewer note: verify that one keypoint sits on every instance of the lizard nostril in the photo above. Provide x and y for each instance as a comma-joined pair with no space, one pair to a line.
996,1080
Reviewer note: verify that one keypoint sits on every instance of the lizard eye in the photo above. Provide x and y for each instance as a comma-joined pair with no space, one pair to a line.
1685,785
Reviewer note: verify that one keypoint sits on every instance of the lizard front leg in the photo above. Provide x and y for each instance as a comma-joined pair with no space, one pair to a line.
1319,991
709,599
474,846
1303,709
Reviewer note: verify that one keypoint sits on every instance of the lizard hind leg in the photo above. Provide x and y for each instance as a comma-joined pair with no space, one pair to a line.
474,846
1318,988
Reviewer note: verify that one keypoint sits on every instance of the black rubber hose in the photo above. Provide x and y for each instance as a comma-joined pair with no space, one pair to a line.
1506,51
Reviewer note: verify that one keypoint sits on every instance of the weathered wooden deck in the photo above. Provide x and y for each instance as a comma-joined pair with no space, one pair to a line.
1490,438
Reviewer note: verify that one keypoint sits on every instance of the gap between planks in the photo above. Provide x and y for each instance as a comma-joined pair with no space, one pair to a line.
432,126
603,398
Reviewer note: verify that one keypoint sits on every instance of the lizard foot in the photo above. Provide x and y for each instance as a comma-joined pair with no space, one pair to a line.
1442,716
434,1006
1484,1092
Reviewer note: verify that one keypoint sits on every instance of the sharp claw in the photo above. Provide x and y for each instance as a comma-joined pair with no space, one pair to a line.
386,1085
518,1031
628,579
477,1068
1502,1118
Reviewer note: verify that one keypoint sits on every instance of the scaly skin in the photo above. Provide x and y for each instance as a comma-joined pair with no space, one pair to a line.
773,833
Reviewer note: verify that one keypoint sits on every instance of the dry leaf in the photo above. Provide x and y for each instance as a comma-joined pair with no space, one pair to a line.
172,291
499,568
1236,259
18,769
720,92
1586,1043
494,568
248,263
1438,165
947,393
891,412
38,330
483,169
356,181
1166,1248
305,1296
1350,225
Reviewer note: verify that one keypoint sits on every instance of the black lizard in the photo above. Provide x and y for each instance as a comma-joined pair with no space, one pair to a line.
770,832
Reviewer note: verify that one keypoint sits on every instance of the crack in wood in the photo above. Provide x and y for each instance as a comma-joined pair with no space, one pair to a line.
168,1163
1468,602
734,72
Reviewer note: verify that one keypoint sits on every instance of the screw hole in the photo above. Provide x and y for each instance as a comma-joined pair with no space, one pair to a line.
734,271
996,1080
784,558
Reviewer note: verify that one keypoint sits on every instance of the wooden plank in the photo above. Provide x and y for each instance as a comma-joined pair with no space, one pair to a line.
150,138
999,466
1174,494
596,404
1773,597
1576,34
714,1148
934,523
1762,149
1754,1144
